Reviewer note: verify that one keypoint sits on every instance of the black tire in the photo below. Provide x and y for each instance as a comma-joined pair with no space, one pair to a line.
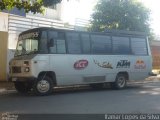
120,82
97,86
41,90
23,87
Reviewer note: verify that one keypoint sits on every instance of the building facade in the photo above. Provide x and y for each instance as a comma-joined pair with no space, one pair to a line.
155,48
14,22
62,15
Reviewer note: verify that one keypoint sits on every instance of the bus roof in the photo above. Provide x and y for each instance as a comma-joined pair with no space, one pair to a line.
107,31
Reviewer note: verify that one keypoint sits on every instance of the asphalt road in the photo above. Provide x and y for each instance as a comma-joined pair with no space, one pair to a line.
136,98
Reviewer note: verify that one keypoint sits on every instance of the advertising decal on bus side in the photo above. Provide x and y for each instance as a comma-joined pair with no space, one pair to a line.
80,64
140,64
123,64
103,64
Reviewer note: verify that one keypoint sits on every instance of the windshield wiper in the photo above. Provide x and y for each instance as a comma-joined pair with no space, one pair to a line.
33,52
23,49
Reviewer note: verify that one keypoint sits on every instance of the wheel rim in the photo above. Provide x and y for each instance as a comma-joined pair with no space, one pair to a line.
121,82
43,86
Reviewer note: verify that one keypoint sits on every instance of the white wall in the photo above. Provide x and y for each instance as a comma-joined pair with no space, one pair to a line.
3,22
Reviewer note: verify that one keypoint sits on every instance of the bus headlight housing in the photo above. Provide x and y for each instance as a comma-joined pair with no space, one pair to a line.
26,69
26,63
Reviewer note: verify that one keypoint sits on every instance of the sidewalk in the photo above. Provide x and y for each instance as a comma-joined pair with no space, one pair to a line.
151,79
6,85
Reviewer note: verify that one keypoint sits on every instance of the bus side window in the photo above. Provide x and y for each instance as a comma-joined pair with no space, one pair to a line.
43,43
121,45
139,46
61,44
86,45
101,44
52,36
73,42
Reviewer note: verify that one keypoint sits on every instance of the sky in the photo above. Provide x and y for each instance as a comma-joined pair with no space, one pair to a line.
154,6
75,9
84,8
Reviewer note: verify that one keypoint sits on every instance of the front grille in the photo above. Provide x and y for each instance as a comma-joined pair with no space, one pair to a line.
16,69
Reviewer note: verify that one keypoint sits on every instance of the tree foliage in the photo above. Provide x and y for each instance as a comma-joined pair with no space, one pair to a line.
34,6
120,14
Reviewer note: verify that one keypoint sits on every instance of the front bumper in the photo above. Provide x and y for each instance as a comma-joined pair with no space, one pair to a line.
13,79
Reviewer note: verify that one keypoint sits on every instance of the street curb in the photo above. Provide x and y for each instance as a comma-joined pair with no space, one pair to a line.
151,79
6,85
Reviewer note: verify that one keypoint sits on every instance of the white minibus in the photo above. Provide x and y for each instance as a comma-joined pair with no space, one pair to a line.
49,57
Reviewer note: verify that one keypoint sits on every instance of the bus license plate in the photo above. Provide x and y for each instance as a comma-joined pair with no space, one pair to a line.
14,79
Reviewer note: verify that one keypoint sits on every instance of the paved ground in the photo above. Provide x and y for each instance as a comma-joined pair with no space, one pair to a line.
136,98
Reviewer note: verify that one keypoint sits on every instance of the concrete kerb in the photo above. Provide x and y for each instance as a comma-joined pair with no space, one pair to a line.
6,85
151,79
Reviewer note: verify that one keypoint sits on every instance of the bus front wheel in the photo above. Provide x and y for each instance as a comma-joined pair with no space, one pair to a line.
43,85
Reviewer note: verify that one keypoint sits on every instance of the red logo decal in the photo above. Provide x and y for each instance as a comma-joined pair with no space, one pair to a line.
140,64
81,64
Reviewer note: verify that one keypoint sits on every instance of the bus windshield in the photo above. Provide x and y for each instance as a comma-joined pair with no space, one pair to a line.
27,44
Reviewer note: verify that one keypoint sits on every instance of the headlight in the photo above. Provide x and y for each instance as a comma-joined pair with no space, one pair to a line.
26,69
26,63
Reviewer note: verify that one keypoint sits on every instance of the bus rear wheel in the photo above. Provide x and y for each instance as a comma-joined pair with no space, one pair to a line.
120,82
23,87
43,86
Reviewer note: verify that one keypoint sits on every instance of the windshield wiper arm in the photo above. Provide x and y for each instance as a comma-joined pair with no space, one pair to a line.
32,52
23,49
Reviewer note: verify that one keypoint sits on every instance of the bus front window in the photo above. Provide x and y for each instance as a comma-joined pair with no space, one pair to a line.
27,45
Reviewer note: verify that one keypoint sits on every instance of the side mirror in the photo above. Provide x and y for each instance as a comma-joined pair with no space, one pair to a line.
51,43
20,44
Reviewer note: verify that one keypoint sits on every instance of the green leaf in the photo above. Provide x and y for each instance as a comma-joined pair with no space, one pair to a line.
35,7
